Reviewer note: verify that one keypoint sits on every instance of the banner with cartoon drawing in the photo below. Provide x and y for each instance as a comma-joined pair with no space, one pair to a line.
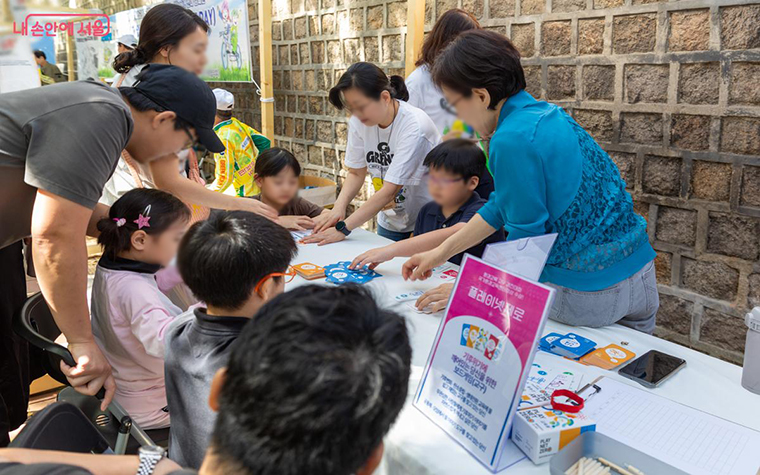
229,45
481,358
228,51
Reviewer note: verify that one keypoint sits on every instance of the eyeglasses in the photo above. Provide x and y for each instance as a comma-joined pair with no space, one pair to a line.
444,181
287,276
192,141
451,108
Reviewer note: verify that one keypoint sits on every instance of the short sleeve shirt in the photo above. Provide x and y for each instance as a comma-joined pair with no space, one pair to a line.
235,165
431,218
65,139
395,154
424,94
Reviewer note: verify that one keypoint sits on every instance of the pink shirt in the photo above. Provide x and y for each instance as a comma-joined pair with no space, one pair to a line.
130,315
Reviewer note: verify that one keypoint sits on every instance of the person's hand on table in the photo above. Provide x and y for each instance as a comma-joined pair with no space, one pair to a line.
256,206
420,266
328,236
91,373
296,223
372,258
436,298
328,220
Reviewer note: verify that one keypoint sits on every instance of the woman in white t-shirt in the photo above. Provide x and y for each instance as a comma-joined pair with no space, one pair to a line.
422,92
426,96
388,139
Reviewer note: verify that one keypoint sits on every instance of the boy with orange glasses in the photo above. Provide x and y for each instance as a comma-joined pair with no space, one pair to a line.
234,262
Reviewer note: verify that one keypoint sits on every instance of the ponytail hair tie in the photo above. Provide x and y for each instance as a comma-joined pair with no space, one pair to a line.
120,222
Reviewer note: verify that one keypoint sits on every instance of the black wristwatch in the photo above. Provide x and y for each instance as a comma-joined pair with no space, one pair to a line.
341,226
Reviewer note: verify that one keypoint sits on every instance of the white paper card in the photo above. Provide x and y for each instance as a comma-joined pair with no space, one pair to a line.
524,257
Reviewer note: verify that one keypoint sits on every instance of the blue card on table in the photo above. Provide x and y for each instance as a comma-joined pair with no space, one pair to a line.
572,346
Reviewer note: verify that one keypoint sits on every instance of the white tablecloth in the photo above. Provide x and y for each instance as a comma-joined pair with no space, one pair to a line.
417,446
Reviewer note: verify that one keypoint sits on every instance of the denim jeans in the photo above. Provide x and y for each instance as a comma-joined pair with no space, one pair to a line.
392,235
632,302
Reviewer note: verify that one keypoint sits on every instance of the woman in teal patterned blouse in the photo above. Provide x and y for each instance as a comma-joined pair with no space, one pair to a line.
551,177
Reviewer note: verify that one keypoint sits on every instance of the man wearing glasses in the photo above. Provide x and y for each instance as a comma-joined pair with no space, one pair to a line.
58,147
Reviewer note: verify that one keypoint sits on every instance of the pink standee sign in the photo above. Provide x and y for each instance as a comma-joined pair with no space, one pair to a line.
481,357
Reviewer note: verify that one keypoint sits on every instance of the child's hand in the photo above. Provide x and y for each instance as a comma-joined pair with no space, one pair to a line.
296,223
373,258
327,236
436,298
328,220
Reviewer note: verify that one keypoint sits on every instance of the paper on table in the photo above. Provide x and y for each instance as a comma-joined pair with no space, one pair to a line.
298,235
525,257
686,438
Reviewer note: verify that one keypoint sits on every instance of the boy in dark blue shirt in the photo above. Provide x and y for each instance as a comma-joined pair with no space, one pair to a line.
455,166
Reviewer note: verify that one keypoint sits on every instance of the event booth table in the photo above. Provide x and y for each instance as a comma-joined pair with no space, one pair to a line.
416,446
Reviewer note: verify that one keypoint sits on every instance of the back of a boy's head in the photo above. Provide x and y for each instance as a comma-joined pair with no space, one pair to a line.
223,258
313,384
273,160
459,157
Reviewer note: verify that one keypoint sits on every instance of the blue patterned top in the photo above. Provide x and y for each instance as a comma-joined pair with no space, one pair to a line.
552,177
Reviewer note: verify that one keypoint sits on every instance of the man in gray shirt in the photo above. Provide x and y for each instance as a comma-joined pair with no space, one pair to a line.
58,146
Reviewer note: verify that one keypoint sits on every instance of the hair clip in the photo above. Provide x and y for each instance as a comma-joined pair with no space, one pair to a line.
120,222
142,221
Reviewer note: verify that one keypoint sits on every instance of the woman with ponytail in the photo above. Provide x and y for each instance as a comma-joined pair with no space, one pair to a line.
388,139
169,34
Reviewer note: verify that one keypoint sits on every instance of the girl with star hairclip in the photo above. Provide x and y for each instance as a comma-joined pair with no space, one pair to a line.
130,307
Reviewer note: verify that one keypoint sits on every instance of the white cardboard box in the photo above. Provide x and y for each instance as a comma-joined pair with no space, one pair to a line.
543,431
322,193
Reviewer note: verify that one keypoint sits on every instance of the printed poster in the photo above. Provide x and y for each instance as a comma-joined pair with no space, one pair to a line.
94,51
481,358
229,45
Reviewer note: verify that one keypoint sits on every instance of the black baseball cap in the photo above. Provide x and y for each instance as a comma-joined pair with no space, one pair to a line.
173,89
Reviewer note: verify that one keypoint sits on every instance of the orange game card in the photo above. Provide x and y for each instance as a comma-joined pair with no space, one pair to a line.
608,357
309,271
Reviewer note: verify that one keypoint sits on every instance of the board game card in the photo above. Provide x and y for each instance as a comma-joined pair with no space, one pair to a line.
609,357
572,346
413,295
547,341
309,271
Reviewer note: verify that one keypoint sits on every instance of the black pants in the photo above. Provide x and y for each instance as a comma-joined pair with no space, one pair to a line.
14,352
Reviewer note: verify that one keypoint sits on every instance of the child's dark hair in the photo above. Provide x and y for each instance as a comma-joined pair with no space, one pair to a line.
457,156
163,210
313,384
223,258
273,160
371,81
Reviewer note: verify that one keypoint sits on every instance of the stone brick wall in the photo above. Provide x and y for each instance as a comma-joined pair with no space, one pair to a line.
670,89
